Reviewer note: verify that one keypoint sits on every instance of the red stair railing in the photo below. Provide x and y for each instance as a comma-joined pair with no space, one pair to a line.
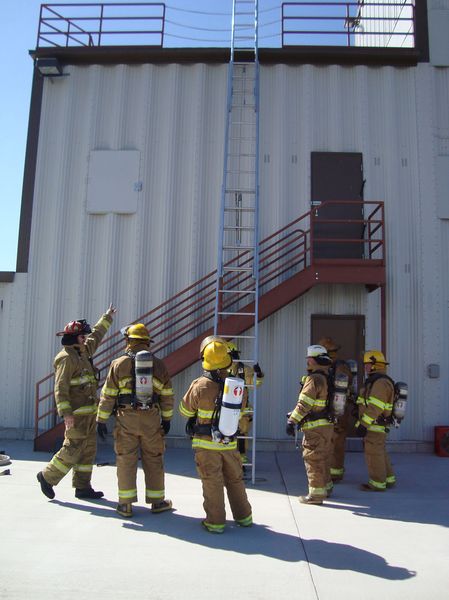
190,312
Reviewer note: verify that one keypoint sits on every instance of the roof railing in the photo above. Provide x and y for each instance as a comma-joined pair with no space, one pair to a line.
101,24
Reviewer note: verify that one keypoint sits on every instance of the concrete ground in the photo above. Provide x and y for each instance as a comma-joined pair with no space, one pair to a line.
392,545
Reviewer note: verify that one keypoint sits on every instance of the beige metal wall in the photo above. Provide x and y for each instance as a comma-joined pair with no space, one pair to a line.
174,116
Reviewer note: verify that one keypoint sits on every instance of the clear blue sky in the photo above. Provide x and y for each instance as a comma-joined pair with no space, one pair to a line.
185,19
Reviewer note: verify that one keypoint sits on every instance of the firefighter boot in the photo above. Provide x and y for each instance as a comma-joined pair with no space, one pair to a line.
366,487
213,528
88,493
157,507
311,499
125,510
46,488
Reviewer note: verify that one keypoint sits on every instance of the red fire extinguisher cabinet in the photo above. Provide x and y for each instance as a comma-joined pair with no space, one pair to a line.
441,431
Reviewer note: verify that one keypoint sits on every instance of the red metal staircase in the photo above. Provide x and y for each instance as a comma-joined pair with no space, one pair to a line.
288,269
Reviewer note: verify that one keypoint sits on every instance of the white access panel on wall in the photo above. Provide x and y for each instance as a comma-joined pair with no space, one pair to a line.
113,181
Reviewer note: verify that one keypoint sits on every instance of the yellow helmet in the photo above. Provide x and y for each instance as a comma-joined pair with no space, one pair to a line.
374,357
208,340
232,347
216,356
138,331
329,344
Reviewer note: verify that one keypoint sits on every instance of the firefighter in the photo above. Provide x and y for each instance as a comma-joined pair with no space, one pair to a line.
140,424
343,424
75,392
238,369
375,403
312,415
218,464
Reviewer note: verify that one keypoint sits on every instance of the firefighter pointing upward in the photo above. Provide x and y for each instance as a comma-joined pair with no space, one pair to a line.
218,463
312,414
76,402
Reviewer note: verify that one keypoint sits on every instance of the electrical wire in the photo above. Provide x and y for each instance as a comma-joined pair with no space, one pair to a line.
227,29
214,14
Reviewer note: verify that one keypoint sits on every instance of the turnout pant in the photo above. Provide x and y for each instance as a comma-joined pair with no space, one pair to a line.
341,430
218,470
139,431
316,452
380,471
78,453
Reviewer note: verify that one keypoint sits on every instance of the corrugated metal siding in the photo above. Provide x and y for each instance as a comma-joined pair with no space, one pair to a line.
174,115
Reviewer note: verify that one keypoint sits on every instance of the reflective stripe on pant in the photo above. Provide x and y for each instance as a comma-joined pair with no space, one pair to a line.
316,452
219,470
77,453
377,460
139,430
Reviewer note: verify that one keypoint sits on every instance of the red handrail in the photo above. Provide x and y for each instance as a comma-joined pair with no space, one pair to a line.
190,312
89,24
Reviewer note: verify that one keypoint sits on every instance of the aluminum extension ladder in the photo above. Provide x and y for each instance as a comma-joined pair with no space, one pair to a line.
238,244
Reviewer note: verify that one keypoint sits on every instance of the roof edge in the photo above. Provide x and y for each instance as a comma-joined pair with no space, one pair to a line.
287,55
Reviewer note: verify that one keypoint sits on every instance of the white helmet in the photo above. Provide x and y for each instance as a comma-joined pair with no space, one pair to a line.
319,353
316,350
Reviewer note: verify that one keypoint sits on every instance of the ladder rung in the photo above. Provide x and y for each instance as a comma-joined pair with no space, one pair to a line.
229,208
241,228
238,292
238,337
242,155
239,248
237,269
233,191
240,314
245,105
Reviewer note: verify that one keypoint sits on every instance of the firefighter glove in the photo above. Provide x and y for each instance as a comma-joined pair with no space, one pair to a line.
361,430
102,430
258,370
165,426
190,426
290,428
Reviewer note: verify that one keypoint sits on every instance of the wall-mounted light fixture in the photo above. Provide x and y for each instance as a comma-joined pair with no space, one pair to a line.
48,67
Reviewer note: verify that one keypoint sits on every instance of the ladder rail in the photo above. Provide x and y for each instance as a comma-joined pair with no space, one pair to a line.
238,237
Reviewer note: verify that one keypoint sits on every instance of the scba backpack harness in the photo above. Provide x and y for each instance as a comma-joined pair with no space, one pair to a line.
399,400
226,415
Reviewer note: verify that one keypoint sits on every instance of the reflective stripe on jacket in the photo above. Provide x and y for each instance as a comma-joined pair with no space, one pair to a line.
312,399
199,402
75,382
375,403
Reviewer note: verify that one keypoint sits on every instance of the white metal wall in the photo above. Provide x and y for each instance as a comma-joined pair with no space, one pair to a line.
174,115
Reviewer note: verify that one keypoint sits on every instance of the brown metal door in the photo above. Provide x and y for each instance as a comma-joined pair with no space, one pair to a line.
347,331
337,176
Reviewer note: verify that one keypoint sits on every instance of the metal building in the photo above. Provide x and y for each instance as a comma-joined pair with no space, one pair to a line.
121,203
